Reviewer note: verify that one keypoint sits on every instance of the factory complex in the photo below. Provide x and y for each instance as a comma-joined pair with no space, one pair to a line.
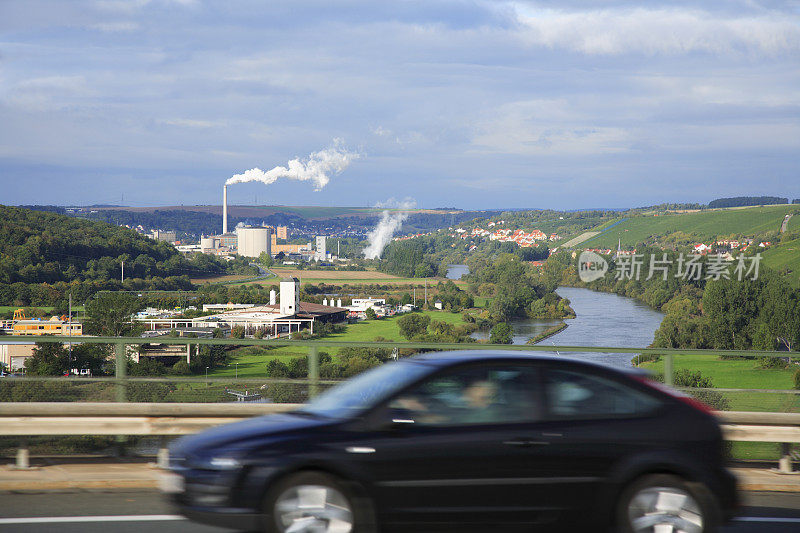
252,241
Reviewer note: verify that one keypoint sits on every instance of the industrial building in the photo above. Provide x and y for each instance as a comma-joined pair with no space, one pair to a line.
321,252
20,325
280,317
165,236
249,241
253,241
14,353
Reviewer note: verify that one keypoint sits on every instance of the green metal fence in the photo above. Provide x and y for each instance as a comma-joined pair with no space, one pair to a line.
123,388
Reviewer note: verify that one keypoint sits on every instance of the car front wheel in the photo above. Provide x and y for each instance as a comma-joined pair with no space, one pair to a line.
313,502
663,504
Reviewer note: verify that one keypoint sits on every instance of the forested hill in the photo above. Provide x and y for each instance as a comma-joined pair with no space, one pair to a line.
45,255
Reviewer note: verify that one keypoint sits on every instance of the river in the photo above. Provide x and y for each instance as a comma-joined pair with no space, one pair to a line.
603,319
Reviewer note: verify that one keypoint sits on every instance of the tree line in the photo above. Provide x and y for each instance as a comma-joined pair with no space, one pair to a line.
44,256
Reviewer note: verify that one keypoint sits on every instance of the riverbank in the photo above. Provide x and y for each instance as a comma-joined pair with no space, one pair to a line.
548,333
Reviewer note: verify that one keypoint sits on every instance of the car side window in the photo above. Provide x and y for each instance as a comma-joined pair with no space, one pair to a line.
572,394
478,395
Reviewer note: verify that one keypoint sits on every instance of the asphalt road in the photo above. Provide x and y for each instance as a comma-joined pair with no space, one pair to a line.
136,511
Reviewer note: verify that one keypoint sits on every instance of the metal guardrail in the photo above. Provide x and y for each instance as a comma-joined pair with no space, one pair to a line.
28,419
175,419
313,347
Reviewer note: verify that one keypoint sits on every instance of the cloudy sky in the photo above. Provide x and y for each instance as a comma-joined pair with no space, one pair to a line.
566,104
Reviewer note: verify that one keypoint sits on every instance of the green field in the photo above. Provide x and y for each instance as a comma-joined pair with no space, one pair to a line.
252,361
741,374
785,255
702,225
794,223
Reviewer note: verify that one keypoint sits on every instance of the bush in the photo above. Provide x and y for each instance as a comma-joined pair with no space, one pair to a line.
298,367
695,379
181,368
797,379
277,369
501,334
772,363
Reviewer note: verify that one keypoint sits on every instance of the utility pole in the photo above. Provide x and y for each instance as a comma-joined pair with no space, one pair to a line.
426,293
123,272
69,326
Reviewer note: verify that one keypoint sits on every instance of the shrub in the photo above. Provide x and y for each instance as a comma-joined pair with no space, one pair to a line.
501,334
772,362
797,379
180,368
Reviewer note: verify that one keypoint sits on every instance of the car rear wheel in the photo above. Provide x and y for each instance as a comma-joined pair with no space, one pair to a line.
663,504
313,502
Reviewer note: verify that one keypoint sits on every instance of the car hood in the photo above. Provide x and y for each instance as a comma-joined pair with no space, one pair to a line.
238,434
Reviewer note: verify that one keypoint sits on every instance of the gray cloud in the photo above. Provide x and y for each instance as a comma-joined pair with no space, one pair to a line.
531,103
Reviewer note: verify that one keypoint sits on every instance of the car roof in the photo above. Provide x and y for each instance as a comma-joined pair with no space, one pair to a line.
444,359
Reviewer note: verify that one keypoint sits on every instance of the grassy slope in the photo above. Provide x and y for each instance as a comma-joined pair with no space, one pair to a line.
741,374
786,255
252,361
706,224
794,222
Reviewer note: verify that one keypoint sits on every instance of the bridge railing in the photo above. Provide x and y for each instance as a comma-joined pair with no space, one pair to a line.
123,385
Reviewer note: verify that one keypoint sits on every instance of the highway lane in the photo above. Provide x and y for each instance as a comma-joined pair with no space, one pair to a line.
135,511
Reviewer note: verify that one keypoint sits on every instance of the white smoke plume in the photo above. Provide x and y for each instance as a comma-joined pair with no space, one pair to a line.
390,222
317,167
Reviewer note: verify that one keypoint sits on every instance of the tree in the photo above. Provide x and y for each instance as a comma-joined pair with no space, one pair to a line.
265,259
501,334
48,359
277,369
413,324
110,315
370,314
237,332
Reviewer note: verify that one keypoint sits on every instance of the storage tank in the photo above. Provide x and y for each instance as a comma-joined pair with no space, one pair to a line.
272,297
252,242
339,302
208,244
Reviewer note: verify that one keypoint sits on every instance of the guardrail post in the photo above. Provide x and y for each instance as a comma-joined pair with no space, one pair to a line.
162,459
23,456
313,371
669,370
121,370
785,462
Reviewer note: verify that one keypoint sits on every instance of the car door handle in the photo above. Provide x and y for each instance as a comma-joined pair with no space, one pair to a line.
525,443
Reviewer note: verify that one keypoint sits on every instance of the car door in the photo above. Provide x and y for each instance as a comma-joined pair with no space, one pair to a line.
459,447
593,422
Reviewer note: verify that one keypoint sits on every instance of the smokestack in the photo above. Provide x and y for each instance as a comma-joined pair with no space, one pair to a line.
224,209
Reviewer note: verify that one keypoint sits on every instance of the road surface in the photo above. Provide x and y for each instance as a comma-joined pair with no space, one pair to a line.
135,511
785,224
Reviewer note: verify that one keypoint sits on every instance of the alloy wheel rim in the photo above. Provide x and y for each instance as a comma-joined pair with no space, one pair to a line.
313,509
665,510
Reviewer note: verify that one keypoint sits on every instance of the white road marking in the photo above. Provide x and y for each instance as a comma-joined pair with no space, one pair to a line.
73,519
766,519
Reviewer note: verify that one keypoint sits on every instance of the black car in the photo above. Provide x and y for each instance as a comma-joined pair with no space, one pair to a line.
472,439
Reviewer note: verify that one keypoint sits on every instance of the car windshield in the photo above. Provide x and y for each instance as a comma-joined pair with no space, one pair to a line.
363,391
